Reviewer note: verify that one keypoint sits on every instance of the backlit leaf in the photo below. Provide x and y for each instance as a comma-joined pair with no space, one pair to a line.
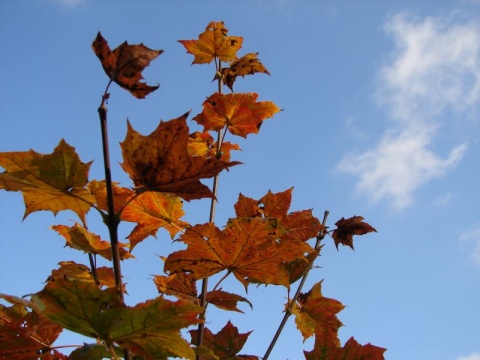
352,350
247,65
240,113
346,228
121,195
152,211
26,334
247,247
225,300
79,238
150,329
226,344
181,285
160,161
202,144
213,43
315,313
53,182
124,65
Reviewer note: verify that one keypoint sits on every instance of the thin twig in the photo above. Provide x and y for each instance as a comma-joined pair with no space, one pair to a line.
289,309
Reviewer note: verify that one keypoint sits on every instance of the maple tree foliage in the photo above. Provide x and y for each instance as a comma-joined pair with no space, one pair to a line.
265,243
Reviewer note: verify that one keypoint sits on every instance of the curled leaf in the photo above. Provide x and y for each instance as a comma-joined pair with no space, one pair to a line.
346,228
124,65
247,65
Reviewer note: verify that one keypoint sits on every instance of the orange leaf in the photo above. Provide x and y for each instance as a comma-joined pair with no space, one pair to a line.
74,271
226,344
247,65
125,64
202,144
151,211
181,285
53,182
26,334
346,228
315,313
225,300
213,43
81,239
246,247
352,350
160,161
121,195
240,113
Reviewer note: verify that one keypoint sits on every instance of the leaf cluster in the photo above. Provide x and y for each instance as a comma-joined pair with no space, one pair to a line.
265,243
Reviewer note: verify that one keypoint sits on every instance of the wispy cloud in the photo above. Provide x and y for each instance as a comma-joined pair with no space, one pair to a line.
434,69
474,356
473,236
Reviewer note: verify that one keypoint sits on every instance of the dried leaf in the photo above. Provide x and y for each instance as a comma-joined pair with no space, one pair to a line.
213,43
346,228
160,161
240,113
181,285
226,344
247,65
202,144
352,350
125,64
225,300
53,182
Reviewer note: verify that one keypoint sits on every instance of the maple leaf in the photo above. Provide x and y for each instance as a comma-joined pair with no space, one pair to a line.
213,43
150,329
346,228
352,350
240,113
160,161
181,285
152,211
225,300
73,271
315,314
26,334
121,195
299,225
93,351
124,65
80,238
202,144
247,65
226,344
53,182
246,247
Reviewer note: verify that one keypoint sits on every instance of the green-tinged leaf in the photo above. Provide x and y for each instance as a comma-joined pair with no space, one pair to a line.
53,182
93,352
150,329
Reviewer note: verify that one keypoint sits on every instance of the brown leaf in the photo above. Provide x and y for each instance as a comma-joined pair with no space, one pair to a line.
181,285
346,228
202,144
225,300
160,161
213,43
226,343
247,65
125,64
352,350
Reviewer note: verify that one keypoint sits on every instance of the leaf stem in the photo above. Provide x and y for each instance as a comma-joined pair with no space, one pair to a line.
213,204
111,219
288,311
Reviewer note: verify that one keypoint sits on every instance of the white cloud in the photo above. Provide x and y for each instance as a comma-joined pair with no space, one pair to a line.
473,235
434,69
474,356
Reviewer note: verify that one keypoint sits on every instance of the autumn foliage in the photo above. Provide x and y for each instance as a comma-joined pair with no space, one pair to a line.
265,243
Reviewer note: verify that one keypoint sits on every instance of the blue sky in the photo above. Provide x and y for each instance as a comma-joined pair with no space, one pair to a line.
381,119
